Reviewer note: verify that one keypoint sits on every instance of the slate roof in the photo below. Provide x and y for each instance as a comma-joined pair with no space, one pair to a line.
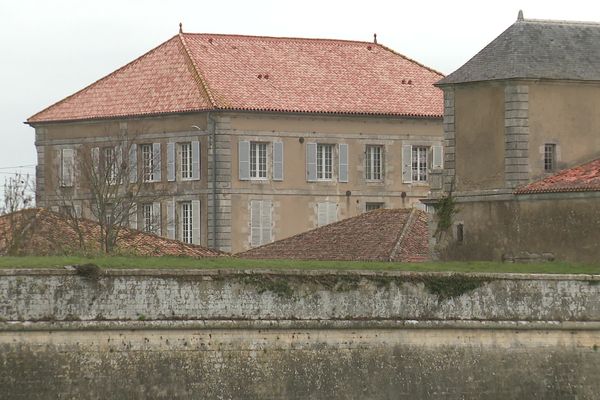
43,232
379,235
198,72
536,49
583,178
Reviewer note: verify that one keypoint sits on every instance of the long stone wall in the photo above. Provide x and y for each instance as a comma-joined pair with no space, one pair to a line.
297,335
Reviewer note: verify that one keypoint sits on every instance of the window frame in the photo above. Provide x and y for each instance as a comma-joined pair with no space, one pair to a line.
420,168
374,163
324,153
148,217
371,204
549,161
147,153
183,158
258,150
187,222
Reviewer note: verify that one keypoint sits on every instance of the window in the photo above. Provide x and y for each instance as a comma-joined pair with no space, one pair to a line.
186,222
373,206
148,217
324,161
460,236
186,160
326,213
260,222
549,157
66,167
419,163
109,167
374,164
258,160
147,162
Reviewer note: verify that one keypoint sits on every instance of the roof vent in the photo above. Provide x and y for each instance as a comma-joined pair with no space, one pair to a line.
266,76
210,40
520,16
375,38
410,82
259,76
404,81
180,27
369,48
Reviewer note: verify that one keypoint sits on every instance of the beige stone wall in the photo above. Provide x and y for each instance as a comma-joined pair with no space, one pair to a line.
479,124
564,113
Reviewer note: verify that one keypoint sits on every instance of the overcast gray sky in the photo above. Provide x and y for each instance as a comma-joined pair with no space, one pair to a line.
50,49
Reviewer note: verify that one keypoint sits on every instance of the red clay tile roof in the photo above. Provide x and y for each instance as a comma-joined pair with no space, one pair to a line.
379,235
584,178
43,232
197,72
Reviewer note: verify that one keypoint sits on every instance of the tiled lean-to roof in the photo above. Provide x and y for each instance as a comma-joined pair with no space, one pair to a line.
196,72
379,235
536,49
41,232
583,178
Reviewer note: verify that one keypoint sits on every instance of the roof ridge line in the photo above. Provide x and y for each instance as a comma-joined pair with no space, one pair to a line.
196,71
98,80
410,59
292,38
559,21
407,226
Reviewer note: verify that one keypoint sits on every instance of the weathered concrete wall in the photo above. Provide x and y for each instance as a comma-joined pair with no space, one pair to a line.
565,226
292,335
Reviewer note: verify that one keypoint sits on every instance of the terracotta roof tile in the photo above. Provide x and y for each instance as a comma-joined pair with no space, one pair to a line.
43,232
379,235
583,178
196,72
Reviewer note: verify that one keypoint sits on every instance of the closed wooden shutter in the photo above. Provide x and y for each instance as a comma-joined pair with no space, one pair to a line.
196,160
196,221
311,162
156,220
265,222
343,170
133,163
67,167
438,157
255,221
244,160
407,163
170,161
277,161
171,220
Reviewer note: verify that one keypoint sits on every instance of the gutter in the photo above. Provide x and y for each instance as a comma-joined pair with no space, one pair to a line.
213,135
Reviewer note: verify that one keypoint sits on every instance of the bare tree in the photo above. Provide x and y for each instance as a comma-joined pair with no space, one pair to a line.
19,194
114,178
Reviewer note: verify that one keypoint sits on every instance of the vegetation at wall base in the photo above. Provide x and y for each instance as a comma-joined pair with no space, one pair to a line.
125,262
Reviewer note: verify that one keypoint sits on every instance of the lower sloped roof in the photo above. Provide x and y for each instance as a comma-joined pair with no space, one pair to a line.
379,235
582,178
41,232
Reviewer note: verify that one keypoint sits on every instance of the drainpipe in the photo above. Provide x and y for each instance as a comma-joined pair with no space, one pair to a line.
213,135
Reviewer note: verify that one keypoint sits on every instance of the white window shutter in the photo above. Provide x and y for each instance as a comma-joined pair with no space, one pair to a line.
255,220
311,162
95,160
171,220
438,157
244,160
195,160
77,208
277,161
156,220
331,212
196,221
156,160
132,163
343,170
133,217
118,164
407,163
265,222
54,209
170,161
322,214
67,167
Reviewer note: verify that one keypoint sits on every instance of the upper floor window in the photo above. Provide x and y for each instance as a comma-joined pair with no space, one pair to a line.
324,161
147,162
419,163
186,160
549,157
258,160
109,164
374,163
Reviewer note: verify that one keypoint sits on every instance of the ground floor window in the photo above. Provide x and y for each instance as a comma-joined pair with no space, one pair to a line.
373,206
186,222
